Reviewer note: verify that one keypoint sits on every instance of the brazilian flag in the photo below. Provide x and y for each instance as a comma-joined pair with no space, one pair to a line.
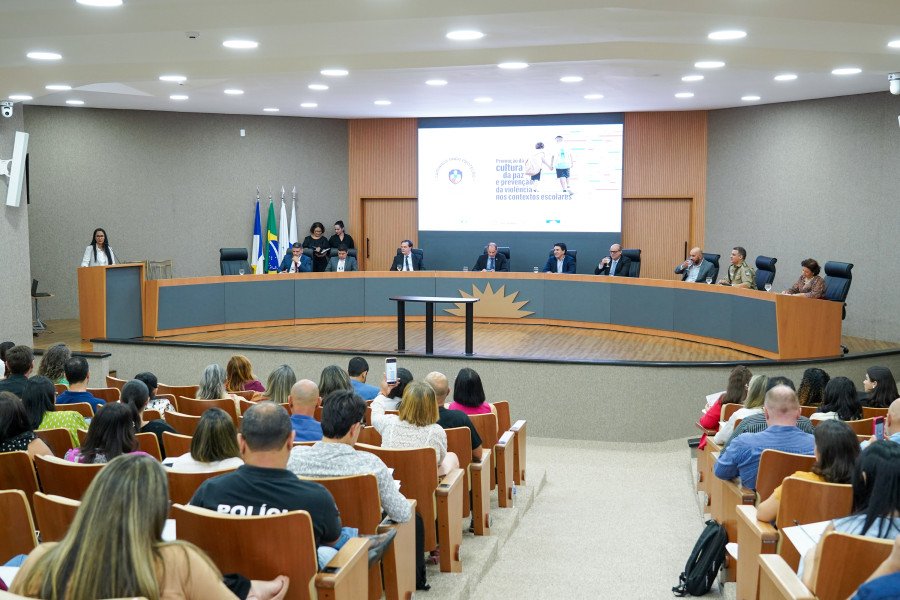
272,258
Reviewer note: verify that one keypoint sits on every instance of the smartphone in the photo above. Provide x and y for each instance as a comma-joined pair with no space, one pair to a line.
878,428
390,369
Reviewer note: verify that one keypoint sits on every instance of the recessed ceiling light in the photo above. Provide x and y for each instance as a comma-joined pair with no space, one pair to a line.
308,105
75,102
894,44
750,98
846,71
727,34
436,82
58,87
173,78
594,97
334,72
709,64
234,92
100,3
178,97
513,65
270,109
463,35
317,86
484,99
383,102
684,95
785,77
240,44
689,78
571,79
20,97
44,55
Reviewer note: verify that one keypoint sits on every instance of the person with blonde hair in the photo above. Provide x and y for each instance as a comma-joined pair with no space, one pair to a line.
53,365
753,404
278,386
239,376
333,378
114,547
416,425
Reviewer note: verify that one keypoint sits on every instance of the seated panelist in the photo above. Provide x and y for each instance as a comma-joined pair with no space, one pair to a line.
696,268
492,261
560,262
296,261
407,260
614,265
739,273
341,262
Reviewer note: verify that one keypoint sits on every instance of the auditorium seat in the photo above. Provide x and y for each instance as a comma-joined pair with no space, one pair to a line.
870,412
149,443
59,440
107,394
838,278
188,391
196,407
232,260
714,259
417,251
18,525
151,415
369,435
486,426
64,478
115,382
182,485
862,426
765,271
176,444
183,424
54,514
634,255
17,473
808,411
85,409
503,450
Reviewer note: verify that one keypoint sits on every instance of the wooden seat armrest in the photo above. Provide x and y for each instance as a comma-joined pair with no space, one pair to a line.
480,478
711,446
709,432
778,580
449,516
714,455
347,574
399,560
765,531
448,482
517,425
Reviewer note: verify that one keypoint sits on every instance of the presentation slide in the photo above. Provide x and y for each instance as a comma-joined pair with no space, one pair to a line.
500,179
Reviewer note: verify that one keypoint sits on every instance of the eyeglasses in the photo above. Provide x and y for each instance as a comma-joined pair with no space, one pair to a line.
615,251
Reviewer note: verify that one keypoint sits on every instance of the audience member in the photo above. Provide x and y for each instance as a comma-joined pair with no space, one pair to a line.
16,432
4,346
757,423
753,405
891,425
884,582
79,376
560,262
390,396
735,393
696,268
239,376
53,364
19,363
809,284
110,434
38,399
114,547
278,385
836,451
161,405
304,399
880,387
812,387
136,394
741,457
739,273
212,386
614,265
333,378
449,419
214,445
358,371
416,425
841,402
468,394
491,260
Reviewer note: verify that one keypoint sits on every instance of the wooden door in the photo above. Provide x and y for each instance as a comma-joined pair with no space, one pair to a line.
386,222
661,228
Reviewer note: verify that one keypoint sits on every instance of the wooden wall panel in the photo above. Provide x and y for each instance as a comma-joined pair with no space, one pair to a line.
660,228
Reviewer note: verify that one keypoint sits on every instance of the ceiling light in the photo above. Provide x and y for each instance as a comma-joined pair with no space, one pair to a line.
317,86
785,77
270,109
173,78
846,71
436,82
594,97
571,79
240,44
382,102
58,87
684,95
727,34
894,44
484,99
44,55
334,72
750,98
464,35
513,65
75,102
689,78
178,97
234,92
20,97
100,3
709,64
308,105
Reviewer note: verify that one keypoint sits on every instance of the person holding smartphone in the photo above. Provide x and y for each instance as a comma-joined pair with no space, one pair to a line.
891,426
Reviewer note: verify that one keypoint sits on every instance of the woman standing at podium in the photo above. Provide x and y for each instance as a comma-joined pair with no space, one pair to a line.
98,253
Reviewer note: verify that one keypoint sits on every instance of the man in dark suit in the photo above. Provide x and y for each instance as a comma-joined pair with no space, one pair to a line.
342,262
560,262
696,268
492,261
407,260
614,265
296,261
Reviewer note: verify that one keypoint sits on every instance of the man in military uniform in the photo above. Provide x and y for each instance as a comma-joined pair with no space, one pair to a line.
739,273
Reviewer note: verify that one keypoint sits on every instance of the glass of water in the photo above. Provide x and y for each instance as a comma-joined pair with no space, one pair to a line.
708,280
768,287
240,271
465,268
535,269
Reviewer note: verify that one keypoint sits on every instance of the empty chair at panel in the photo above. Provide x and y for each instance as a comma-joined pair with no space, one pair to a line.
233,260
714,259
765,271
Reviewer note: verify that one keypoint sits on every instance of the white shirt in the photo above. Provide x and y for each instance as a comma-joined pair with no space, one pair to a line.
295,267
88,258
612,267
559,265
186,464
340,265
693,271
407,262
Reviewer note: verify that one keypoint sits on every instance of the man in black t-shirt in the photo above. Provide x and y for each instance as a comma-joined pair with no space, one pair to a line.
447,418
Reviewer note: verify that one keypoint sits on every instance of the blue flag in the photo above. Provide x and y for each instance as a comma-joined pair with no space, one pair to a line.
256,256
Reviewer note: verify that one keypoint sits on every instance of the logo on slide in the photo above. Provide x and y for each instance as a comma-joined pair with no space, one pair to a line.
455,176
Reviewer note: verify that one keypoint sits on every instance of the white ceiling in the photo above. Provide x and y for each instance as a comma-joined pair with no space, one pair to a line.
634,52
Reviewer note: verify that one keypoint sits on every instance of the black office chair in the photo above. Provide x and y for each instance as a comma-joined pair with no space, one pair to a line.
714,259
572,253
416,251
504,250
838,277
308,252
634,255
350,252
37,324
765,271
232,260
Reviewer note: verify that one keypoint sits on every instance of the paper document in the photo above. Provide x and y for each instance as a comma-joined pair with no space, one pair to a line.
805,537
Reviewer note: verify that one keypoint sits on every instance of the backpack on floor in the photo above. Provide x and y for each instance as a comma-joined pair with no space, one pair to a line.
704,562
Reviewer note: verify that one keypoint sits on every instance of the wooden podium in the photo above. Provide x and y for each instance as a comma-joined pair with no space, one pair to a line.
110,300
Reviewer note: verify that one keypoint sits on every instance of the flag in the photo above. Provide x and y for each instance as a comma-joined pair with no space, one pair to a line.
293,237
272,258
283,243
256,256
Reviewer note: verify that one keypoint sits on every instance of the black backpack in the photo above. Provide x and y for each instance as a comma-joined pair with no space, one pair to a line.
704,563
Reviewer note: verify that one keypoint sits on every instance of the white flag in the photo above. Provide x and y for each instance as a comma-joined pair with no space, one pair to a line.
293,236
283,243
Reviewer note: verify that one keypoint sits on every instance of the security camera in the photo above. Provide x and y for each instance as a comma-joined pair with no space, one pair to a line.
894,83
6,109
